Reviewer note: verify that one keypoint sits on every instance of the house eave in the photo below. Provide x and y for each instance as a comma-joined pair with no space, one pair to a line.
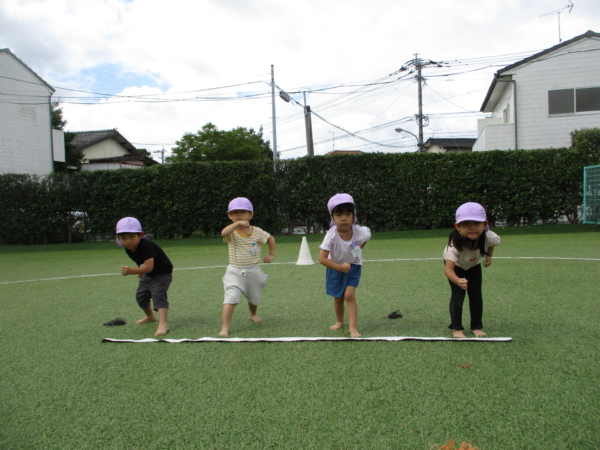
494,90
26,67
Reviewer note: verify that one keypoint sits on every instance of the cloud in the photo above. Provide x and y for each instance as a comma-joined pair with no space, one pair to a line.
144,47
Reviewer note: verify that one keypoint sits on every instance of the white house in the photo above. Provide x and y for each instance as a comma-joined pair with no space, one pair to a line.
448,145
538,101
28,144
108,149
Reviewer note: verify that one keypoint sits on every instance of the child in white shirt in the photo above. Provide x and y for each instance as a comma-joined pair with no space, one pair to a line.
341,253
468,243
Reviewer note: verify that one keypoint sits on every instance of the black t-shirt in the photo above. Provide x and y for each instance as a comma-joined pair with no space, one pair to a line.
148,249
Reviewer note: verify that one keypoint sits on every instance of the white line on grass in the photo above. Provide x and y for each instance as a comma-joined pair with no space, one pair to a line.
300,339
280,263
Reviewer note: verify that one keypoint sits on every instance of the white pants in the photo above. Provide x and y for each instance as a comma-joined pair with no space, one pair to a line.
248,280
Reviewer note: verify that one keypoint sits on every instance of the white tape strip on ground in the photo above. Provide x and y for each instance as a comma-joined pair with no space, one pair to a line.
301,339
281,263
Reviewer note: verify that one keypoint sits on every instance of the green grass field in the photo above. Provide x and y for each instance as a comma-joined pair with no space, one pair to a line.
62,388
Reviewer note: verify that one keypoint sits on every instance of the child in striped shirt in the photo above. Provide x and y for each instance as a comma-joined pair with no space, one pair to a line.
243,275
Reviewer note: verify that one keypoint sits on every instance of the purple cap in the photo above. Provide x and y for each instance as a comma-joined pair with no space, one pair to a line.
128,225
339,199
240,203
470,211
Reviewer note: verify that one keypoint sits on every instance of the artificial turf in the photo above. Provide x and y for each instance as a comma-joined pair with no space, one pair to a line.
61,388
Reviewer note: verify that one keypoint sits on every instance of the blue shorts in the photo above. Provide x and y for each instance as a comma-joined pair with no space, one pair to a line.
336,282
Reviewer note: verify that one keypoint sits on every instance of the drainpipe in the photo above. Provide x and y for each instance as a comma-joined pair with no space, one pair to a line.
51,135
514,83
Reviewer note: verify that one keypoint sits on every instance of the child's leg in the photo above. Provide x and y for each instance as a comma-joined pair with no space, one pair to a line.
338,307
350,297
228,309
475,300
143,296
149,315
253,316
163,325
456,305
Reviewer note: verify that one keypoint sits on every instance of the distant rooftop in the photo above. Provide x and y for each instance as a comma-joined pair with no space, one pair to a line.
85,139
451,143
344,152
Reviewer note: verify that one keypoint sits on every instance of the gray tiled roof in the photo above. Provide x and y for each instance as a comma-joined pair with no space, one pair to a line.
85,139
145,159
450,143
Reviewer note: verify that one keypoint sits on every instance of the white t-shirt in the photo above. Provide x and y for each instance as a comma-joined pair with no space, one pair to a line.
340,251
470,258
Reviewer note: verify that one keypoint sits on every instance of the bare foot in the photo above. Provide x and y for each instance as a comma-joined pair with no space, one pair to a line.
162,330
146,320
355,333
479,333
255,319
458,334
224,332
337,326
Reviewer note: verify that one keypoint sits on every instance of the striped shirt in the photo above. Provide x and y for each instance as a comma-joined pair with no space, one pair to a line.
241,247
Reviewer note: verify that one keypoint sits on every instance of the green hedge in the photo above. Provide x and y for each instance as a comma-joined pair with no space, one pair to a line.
392,192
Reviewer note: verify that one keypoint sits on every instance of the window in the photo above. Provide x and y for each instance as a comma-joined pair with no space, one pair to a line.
587,99
506,114
570,101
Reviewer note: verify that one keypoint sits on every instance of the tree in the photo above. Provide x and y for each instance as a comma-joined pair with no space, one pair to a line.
58,123
72,158
212,144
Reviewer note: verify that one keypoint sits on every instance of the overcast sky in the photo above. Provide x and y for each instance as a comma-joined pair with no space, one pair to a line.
171,67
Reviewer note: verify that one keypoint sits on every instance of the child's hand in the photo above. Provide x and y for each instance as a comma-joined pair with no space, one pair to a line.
125,270
345,267
243,224
488,261
462,283
268,259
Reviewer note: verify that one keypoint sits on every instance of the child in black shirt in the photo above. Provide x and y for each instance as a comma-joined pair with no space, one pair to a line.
154,271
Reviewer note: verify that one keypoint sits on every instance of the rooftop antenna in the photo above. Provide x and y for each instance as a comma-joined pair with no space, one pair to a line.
557,12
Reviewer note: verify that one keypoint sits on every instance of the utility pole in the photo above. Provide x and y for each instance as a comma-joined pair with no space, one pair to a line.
418,65
308,123
273,108
420,116
162,155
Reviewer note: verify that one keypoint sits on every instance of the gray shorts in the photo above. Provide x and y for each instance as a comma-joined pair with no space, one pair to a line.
247,280
154,288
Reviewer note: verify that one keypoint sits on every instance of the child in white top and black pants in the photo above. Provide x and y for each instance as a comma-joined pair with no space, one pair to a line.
468,243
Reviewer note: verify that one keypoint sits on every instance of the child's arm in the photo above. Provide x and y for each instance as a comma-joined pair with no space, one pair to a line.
324,259
488,257
146,268
232,227
271,256
451,275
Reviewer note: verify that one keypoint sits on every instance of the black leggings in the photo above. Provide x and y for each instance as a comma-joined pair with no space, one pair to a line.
473,275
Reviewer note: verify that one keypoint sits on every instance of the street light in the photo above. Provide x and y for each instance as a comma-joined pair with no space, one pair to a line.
402,130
